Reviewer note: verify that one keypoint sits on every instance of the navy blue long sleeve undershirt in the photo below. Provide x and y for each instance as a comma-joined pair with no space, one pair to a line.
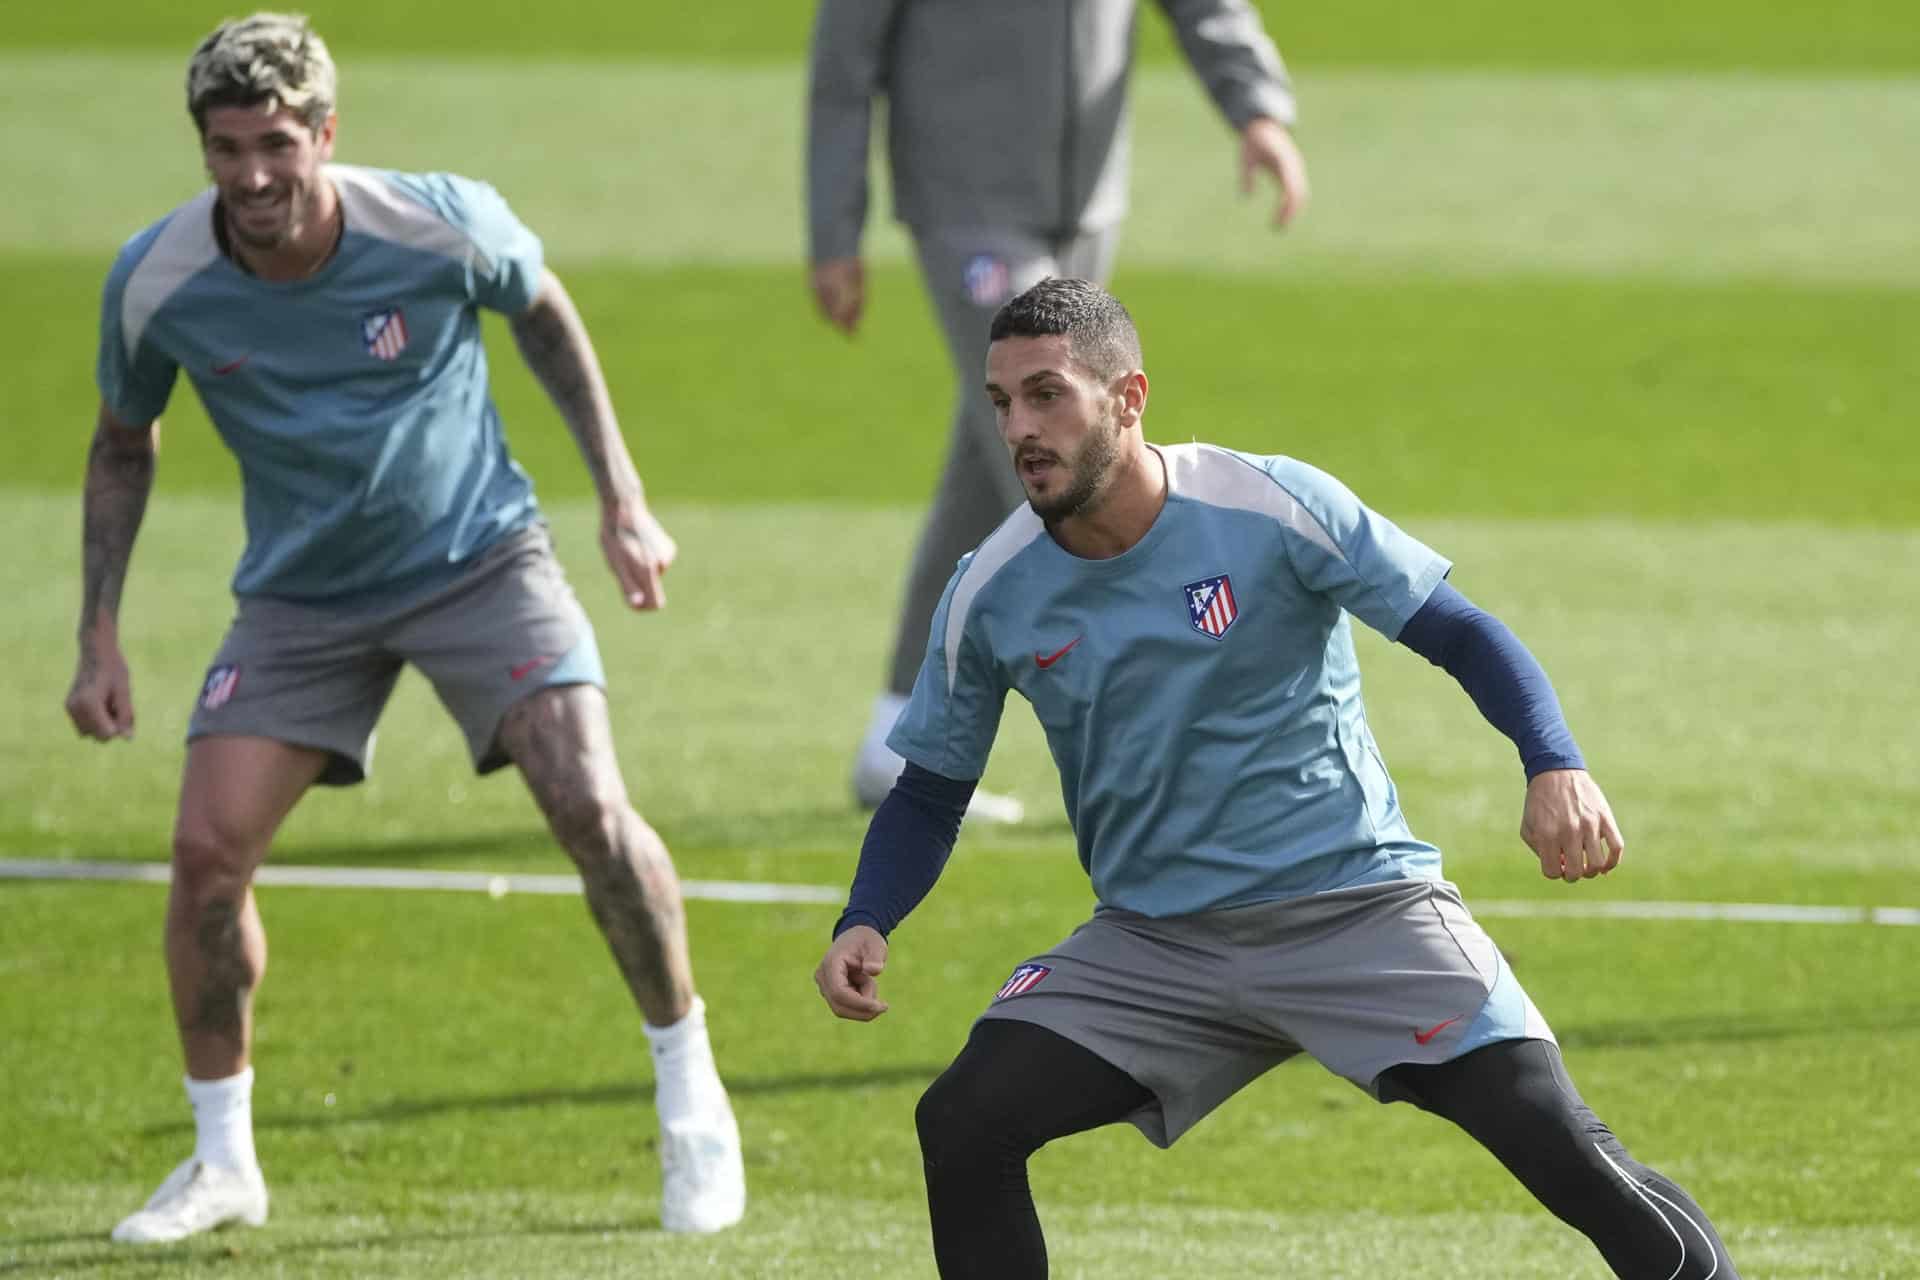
913,832
1502,678
907,844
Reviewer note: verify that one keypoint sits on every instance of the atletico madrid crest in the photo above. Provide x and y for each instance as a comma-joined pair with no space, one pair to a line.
1210,605
986,280
1024,979
384,332
219,687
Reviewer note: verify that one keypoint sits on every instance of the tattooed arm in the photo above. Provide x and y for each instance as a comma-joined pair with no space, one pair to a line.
119,478
554,341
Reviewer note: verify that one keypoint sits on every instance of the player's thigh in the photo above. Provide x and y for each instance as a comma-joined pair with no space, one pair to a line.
561,739
968,274
1022,1084
1147,996
1378,975
306,678
234,794
511,628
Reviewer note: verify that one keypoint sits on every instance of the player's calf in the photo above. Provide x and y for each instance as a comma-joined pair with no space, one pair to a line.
1516,1100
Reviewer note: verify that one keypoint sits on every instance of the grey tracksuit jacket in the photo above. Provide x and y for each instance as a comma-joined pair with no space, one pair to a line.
1003,113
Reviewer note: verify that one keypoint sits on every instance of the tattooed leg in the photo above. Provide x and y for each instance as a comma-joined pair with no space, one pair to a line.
562,742
235,794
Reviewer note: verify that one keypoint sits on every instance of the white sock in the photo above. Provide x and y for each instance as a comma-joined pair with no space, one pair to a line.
684,1074
223,1121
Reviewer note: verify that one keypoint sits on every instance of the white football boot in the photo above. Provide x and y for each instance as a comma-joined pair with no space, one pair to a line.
197,1197
876,767
703,1186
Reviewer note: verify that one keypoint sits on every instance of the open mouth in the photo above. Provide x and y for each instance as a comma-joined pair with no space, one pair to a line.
262,207
1035,466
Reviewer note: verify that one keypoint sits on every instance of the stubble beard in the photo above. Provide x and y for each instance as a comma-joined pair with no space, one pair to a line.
1091,466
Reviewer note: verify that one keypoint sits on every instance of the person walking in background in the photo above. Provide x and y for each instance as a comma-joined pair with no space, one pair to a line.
1007,126
329,318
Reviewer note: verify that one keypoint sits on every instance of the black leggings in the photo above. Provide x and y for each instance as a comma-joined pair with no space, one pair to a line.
1016,1086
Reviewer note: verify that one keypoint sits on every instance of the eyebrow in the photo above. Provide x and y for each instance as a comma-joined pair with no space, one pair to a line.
1037,375
272,135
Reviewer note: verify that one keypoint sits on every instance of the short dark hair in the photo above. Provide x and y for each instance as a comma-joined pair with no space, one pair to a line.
1098,329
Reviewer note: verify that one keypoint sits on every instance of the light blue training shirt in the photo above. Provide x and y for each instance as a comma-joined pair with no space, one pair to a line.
371,456
1199,692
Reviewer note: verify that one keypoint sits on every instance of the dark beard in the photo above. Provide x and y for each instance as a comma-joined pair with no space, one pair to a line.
1090,470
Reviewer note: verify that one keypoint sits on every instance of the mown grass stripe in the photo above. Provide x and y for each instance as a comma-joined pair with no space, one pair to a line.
1465,173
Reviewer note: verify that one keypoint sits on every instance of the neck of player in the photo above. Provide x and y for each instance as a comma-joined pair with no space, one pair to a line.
1127,506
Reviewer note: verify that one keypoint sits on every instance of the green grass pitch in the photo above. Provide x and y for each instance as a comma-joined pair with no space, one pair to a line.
1617,310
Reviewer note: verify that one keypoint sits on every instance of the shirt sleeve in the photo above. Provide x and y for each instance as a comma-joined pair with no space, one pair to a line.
1356,557
846,70
1231,53
507,259
954,712
136,378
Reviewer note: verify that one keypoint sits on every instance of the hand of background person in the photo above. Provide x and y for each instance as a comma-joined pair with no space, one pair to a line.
640,551
840,291
1266,145
847,972
1569,827
100,703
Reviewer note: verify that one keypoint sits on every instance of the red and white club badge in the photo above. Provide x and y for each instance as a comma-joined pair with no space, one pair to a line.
1211,606
1024,979
219,687
384,333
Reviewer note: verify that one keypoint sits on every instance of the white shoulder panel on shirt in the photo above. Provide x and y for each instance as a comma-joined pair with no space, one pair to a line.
1209,474
183,247
1014,535
376,207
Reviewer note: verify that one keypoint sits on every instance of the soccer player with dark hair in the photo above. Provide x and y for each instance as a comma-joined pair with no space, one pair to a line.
329,318
1178,619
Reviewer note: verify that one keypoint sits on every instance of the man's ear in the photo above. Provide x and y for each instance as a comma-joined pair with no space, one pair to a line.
323,137
1131,390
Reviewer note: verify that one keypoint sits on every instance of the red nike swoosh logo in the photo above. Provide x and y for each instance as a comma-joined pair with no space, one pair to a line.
222,370
520,671
1421,1037
1045,660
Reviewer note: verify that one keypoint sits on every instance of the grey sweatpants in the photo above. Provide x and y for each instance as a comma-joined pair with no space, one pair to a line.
968,275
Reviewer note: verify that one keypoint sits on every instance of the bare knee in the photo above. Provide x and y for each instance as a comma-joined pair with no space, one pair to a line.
592,828
211,866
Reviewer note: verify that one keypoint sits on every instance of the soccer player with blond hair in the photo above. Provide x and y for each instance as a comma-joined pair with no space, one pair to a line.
328,316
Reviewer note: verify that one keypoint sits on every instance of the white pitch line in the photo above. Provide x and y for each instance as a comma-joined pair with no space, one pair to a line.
385,878
755,891
1744,912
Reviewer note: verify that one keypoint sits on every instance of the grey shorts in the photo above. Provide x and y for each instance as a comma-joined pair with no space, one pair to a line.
320,677
1196,1007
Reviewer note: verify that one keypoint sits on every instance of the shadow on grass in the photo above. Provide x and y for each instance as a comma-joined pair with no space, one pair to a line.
1789,1024
606,1095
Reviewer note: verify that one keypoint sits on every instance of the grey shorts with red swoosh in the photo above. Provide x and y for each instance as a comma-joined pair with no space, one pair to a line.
1195,1007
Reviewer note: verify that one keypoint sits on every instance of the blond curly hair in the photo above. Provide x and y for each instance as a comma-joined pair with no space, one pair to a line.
264,57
